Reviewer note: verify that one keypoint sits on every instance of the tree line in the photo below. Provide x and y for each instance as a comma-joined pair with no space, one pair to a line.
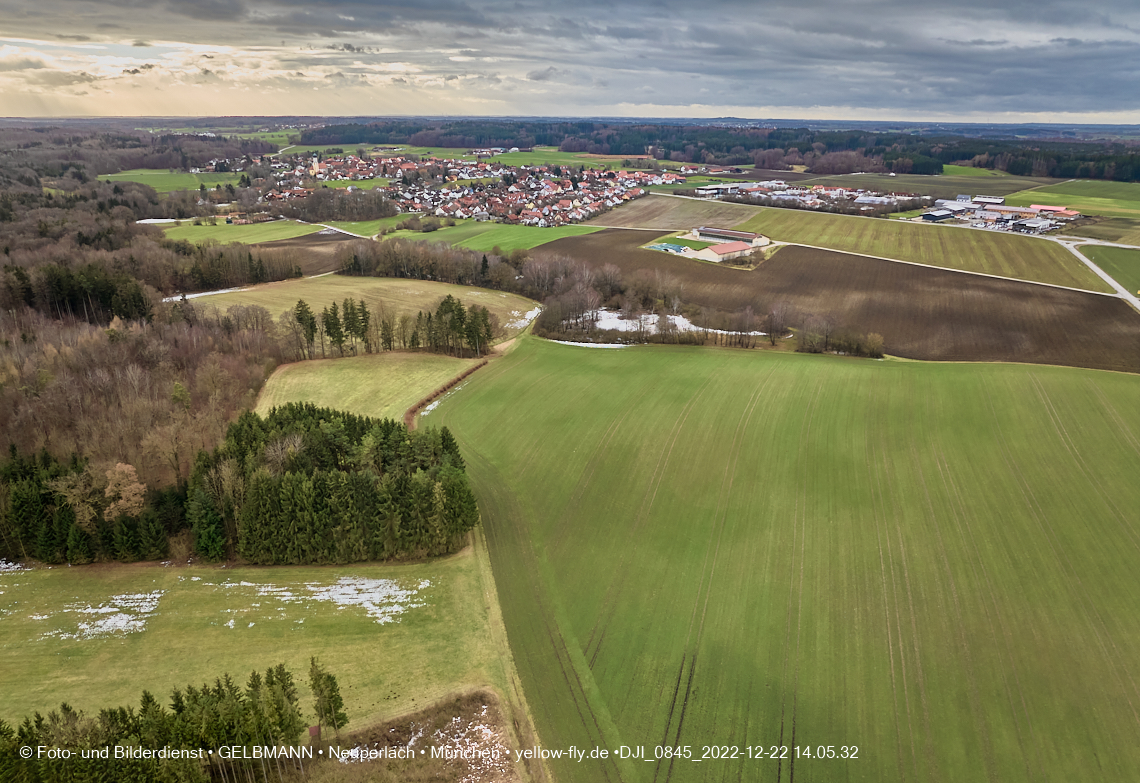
267,712
313,485
302,485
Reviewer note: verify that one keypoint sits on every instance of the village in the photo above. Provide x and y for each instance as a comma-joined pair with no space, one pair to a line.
481,190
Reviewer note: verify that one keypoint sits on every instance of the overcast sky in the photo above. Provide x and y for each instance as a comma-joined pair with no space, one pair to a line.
970,60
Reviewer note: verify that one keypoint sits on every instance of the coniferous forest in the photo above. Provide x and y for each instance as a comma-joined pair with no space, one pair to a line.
301,485
266,713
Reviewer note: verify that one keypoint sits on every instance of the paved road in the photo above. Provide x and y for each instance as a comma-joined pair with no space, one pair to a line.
1121,291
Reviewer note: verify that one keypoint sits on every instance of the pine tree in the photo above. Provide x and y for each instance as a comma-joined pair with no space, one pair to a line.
205,527
365,323
304,315
327,701
351,320
78,546
333,329
152,537
126,540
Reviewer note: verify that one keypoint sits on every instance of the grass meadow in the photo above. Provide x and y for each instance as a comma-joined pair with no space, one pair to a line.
948,185
380,385
1126,231
1023,258
1122,264
397,294
165,181
368,228
224,233
484,237
211,620
1092,197
934,563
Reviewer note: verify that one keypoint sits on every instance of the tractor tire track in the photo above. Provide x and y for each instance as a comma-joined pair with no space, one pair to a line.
609,604
994,620
720,517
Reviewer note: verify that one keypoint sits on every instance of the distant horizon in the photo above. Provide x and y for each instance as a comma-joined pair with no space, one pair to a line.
1010,63
649,119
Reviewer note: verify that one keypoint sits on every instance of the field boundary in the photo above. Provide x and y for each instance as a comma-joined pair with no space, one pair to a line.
1109,294
410,415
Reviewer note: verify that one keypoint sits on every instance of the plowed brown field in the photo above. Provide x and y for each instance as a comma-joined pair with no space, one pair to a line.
675,213
922,313
315,252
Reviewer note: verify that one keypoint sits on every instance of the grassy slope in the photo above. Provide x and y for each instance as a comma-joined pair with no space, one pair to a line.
1123,230
400,295
381,385
932,562
249,234
950,170
485,236
384,670
948,185
1092,197
164,182
1023,258
368,227
1122,264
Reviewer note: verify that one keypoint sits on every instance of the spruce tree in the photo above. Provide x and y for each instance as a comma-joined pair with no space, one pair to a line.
78,546
205,527
327,701
365,323
126,540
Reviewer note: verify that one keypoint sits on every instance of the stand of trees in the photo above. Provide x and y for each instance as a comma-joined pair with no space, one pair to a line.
313,485
302,485
267,712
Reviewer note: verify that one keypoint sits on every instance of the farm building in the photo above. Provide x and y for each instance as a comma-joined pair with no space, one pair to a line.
938,215
709,234
725,252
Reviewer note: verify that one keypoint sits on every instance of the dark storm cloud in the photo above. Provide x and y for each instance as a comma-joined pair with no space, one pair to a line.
972,56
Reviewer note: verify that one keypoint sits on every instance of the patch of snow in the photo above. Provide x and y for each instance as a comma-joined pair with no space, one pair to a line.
203,293
613,321
382,599
592,345
11,568
430,408
122,614
156,221
522,319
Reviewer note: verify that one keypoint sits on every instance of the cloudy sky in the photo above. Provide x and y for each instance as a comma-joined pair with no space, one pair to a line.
970,60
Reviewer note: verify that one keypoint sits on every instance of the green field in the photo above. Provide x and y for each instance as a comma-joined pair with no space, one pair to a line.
368,228
932,562
673,239
485,236
384,670
1126,231
361,184
948,185
993,253
397,294
1122,264
381,385
249,234
1092,197
163,181
950,170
